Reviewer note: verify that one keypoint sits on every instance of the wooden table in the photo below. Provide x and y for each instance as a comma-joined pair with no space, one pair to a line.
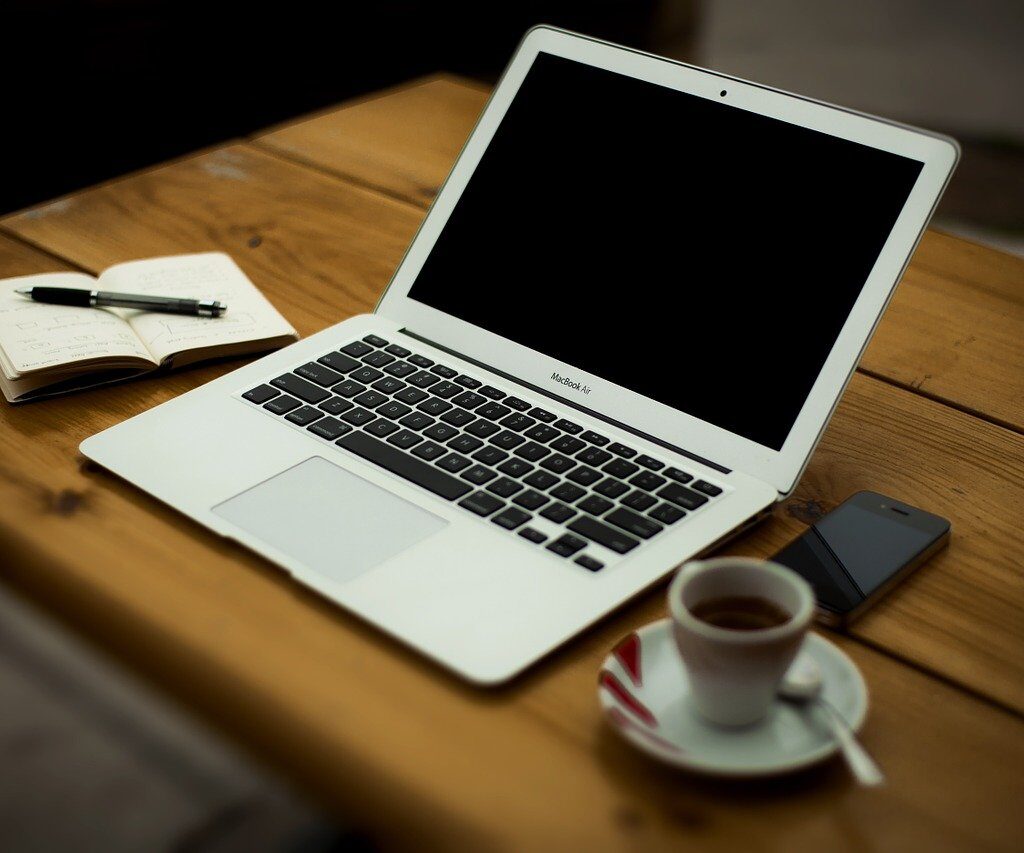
318,214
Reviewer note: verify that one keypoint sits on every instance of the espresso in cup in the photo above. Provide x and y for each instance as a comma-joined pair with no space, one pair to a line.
740,612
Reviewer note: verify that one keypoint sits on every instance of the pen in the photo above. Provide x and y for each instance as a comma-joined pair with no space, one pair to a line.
105,299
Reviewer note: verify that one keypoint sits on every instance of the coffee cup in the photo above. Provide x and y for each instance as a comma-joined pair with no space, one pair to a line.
738,623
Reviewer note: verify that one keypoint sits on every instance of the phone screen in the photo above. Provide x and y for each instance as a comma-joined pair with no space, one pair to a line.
853,550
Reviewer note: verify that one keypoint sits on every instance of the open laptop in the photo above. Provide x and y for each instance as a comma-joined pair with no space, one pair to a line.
614,342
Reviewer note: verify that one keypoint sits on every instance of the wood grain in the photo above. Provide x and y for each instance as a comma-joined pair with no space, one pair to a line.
954,330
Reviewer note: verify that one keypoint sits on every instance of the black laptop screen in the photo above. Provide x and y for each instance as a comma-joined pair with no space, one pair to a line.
703,256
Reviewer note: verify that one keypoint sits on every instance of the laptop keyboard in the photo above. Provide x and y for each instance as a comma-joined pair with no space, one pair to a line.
497,455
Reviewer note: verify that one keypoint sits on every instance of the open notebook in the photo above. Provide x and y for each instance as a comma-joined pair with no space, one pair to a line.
53,349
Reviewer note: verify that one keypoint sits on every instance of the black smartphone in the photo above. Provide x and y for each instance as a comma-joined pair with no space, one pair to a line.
861,550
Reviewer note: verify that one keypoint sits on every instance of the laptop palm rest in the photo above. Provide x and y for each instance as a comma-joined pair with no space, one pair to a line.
329,519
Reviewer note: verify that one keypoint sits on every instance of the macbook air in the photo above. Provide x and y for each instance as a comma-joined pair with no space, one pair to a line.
613,343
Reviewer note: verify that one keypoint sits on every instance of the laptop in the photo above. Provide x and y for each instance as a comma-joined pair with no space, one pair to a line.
613,343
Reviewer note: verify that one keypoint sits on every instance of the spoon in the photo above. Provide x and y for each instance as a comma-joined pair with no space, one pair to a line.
802,685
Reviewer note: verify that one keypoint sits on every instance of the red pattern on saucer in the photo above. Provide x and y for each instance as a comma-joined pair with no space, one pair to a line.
628,654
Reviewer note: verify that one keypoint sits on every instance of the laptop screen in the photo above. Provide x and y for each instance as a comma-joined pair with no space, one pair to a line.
698,254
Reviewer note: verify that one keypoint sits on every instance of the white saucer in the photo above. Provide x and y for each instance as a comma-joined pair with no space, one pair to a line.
644,692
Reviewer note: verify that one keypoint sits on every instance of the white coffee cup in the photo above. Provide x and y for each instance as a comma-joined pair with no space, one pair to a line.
734,674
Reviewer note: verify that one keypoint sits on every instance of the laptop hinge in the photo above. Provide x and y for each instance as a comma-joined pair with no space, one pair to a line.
618,424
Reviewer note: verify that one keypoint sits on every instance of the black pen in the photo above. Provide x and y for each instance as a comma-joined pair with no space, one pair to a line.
106,299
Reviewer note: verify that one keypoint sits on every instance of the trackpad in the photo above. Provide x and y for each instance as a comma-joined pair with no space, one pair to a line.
329,519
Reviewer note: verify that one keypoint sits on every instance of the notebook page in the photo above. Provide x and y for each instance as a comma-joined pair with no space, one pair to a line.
211,275
35,336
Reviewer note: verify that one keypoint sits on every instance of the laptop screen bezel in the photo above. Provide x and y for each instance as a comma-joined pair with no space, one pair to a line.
782,468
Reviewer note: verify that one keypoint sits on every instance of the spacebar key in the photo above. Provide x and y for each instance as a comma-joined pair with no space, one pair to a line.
611,538
394,460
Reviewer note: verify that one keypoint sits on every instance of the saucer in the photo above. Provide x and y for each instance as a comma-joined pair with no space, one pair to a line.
644,692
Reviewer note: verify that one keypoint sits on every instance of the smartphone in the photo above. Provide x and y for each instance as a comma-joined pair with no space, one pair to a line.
862,549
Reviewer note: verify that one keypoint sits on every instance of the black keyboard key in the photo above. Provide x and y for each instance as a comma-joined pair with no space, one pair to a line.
621,450
531,500
282,405
454,462
566,545
568,426
518,422
568,493
493,411
594,456
517,404
478,474
336,405
339,361
648,481
469,400
348,388
395,349
366,375
602,534
666,513
708,488
400,369
458,417
505,487
507,440
305,391
540,479
388,385
440,432
418,420
542,432
639,500
378,359
406,439
304,415
611,488
491,392
584,476
357,349
411,396
532,451
260,394
490,455
468,381
567,444
420,360
512,518
464,443
629,521
648,462
375,340
423,379
542,415
329,428
678,475
401,463
358,417
532,535
516,468
446,372
683,497
595,505
589,563
429,450
381,427
620,468
594,438
394,410
558,513
483,428
481,503
434,406
558,463
445,389
370,399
